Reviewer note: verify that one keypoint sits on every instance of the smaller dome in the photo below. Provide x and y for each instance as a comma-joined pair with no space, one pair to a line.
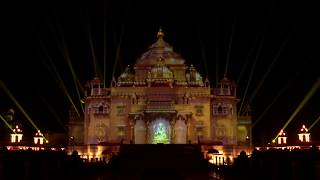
126,78
193,77
160,71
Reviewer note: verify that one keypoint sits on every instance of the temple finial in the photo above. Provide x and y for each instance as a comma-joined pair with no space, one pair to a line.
160,33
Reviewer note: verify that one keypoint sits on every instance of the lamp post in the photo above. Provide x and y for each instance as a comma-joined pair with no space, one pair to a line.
72,142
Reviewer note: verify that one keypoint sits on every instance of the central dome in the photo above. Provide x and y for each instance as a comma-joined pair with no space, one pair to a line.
160,49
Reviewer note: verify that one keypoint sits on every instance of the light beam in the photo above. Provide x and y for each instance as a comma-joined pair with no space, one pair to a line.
251,74
7,91
244,67
311,92
314,123
203,54
52,111
230,43
118,51
104,44
265,75
56,76
273,101
217,51
6,123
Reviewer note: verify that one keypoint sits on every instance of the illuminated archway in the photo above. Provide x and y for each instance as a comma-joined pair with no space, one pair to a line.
160,131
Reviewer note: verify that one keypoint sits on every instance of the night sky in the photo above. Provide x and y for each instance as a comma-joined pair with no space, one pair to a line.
250,35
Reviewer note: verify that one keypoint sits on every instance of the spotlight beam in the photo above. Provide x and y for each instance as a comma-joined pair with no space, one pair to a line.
66,56
53,112
265,75
117,59
7,91
314,123
311,92
94,60
104,44
230,42
244,67
6,123
118,51
273,101
260,46
251,74
74,76
203,54
64,51
56,76
217,51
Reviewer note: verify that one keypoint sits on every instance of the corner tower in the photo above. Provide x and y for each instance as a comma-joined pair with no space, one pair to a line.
224,112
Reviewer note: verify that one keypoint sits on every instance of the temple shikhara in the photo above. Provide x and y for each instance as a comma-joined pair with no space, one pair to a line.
161,99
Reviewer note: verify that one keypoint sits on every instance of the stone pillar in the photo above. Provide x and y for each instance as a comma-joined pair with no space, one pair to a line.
181,131
147,123
140,131
172,131
188,129
132,124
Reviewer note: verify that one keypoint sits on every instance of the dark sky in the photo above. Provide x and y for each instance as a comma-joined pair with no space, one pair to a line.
207,34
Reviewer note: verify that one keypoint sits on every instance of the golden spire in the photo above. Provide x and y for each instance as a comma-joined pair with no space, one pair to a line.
160,33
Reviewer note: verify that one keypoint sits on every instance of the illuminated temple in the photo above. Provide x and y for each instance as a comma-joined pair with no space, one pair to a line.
161,99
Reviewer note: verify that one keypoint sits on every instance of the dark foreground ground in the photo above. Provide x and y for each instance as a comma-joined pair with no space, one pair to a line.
133,162
144,162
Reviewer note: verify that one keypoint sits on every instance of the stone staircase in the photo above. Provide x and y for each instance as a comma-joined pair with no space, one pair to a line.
152,161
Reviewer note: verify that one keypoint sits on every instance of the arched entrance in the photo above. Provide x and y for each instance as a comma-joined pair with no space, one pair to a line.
160,131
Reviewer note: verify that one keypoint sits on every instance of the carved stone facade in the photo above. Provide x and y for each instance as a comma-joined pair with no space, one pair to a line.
161,100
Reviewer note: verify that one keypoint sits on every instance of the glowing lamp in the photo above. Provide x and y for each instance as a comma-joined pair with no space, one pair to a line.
282,138
304,135
16,136
38,138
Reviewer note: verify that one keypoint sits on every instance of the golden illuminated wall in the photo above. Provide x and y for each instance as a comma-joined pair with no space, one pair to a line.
158,85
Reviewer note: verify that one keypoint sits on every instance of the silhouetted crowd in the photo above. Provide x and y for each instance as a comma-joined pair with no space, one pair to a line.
160,162
43,164
275,164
